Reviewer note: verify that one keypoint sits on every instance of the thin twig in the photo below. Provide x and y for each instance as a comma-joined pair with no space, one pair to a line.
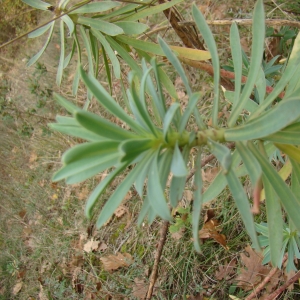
275,294
245,22
162,240
258,289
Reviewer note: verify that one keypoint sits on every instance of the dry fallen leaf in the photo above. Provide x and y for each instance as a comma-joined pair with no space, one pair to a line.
254,271
178,234
42,295
114,262
91,245
139,289
210,231
224,272
17,288
120,211
210,174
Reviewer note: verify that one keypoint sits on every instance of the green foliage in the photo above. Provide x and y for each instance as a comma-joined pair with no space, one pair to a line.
157,143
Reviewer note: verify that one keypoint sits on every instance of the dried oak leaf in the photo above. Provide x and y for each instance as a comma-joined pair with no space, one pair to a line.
210,231
224,272
114,262
17,288
91,245
254,272
139,289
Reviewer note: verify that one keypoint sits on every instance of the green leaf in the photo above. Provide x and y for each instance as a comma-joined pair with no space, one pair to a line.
242,203
39,31
288,135
176,64
39,54
111,54
261,85
275,223
252,165
130,149
152,10
37,4
258,30
107,70
101,188
288,200
178,166
222,153
103,26
211,45
117,197
84,165
87,150
69,23
250,105
290,76
124,54
131,28
95,7
70,55
169,117
267,123
105,99
62,54
155,192
236,51
188,111
197,204
69,106
101,126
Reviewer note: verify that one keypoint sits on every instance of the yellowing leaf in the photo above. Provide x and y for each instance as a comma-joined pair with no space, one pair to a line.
284,173
292,151
114,262
189,53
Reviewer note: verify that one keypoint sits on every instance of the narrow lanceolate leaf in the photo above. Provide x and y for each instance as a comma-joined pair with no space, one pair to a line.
116,198
95,7
211,45
288,200
87,150
39,31
176,64
69,23
197,204
69,106
155,192
91,202
236,51
169,117
111,54
223,154
257,50
39,54
37,4
107,101
288,135
242,203
152,10
60,68
103,26
188,111
70,55
252,165
153,48
102,127
289,77
178,166
87,45
74,129
130,149
292,151
275,223
132,28
267,123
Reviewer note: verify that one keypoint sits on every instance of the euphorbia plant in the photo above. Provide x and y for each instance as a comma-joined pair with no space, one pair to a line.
158,143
